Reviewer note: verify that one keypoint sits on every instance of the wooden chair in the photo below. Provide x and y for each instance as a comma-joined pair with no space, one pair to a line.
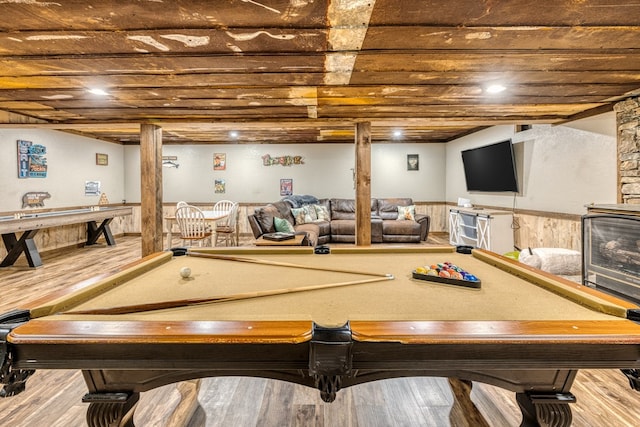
226,228
223,205
171,223
193,226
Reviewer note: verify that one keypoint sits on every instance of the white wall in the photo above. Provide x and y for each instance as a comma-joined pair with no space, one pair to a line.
390,177
326,172
71,161
560,168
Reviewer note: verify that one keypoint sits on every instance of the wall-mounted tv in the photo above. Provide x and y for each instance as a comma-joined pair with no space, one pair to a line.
491,168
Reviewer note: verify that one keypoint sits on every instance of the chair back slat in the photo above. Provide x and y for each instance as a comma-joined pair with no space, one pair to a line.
223,205
230,220
192,223
226,228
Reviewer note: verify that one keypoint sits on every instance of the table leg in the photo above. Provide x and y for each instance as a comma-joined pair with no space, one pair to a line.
169,233
188,405
464,412
15,247
111,409
94,232
214,233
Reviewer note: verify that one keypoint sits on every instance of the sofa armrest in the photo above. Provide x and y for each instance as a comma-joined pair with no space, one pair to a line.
425,223
255,226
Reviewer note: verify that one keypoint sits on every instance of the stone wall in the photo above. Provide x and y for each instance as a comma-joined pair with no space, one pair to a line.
628,127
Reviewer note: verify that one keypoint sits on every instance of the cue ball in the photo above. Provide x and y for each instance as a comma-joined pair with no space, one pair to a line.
185,272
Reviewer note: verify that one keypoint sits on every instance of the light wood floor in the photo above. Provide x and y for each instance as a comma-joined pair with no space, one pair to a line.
53,398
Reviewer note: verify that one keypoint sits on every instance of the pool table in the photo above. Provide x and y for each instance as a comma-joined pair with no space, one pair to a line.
327,321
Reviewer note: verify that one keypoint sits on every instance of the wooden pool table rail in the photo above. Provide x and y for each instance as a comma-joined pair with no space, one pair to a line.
584,295
406,332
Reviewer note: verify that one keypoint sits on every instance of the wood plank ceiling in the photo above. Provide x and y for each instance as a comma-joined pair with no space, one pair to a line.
305,71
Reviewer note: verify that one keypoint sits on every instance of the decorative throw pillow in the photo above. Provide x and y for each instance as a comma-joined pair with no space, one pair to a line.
283,225
311,211
406,213
322,213
301,215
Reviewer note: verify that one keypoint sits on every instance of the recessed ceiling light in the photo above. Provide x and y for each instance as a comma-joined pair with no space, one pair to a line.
496,89
98,91
233,134
397,133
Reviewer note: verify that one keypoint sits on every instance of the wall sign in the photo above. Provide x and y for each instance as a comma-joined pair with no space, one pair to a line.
32,162
92,188
286,187
34,199
219,161
170,162
267,160
219,186
102,159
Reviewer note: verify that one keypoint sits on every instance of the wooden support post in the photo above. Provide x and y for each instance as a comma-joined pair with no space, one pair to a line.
151,188
363,184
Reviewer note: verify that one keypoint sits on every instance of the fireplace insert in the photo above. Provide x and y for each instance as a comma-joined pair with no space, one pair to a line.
611,253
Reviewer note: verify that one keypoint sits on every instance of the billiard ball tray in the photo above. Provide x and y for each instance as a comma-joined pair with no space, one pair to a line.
468,281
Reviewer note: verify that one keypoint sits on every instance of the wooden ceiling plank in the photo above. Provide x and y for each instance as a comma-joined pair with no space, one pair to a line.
187,14
163,41
478,38
465,13
379,61
348,22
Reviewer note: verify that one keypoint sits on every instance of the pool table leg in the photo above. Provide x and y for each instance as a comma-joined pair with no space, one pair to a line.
545,409
633,375
464,412
111,409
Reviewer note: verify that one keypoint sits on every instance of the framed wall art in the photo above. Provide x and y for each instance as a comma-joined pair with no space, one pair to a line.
413,162
32,161
286,187
92,188
219,161
102,159
220,186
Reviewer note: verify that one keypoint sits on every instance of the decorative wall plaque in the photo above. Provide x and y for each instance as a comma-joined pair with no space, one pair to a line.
34,199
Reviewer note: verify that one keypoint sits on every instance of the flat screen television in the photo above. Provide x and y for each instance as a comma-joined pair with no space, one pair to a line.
491,168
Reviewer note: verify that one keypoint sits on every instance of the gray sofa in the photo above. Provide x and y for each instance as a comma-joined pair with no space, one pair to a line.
341,226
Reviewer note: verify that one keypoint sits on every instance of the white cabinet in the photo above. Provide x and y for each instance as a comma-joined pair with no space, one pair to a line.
481,228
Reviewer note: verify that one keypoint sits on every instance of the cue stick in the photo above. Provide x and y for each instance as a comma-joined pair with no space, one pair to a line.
137,308
282,264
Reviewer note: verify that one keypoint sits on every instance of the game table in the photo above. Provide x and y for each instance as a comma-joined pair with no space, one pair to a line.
327,321
28,225
210,217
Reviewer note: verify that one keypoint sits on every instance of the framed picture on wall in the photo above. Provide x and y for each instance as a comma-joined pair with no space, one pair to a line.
102,159
92,188
219,185
286,187
219,161
32,161
413,162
